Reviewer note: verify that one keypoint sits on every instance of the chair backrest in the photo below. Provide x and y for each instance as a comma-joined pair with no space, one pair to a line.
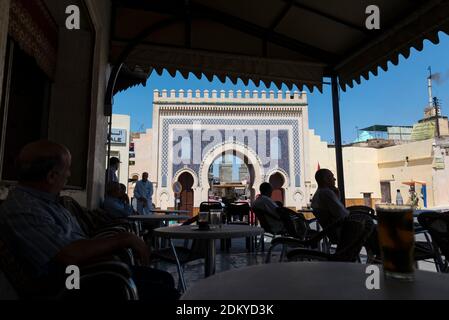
296,228
334,234
240,210
80,213
89,221
437,224
261,216
363,209
355,230
207,206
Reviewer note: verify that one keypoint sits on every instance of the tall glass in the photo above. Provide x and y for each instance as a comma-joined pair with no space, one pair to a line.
203,221
216,217
396,240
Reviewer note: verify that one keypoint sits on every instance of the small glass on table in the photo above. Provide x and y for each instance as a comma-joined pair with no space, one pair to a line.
216,218
203,221
396,240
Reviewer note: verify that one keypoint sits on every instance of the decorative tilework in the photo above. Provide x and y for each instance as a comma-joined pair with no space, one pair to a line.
282,163
267,124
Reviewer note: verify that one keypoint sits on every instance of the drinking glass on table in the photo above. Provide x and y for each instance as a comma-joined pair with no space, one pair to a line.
396,240
216,217
203,220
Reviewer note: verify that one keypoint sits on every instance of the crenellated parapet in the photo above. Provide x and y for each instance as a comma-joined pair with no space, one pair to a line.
231,96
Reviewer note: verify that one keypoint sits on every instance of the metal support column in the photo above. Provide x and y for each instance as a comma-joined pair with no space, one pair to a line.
337,133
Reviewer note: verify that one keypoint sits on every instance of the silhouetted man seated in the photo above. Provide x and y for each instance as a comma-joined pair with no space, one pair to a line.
326,204
267,205
115,203
46,239
329,209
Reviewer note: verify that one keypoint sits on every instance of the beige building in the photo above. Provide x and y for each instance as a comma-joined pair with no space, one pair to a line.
142,161
374,169
372,175
121,125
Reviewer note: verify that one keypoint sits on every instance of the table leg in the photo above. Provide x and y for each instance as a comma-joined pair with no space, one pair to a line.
138,229
163,240
179,267
209,264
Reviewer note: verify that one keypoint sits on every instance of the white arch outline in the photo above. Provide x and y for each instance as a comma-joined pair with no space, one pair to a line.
224,147
282,172
187,170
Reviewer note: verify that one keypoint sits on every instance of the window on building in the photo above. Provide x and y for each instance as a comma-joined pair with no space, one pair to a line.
275,148
25,107
186,147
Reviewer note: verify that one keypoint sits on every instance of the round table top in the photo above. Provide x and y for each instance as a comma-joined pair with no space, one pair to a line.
192,232
308,210
417,212
314,280
169,211
158,217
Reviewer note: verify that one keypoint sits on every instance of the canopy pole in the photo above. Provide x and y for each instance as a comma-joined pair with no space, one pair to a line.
337,134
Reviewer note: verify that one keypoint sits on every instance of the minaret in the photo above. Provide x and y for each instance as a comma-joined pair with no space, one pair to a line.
429,86
433,104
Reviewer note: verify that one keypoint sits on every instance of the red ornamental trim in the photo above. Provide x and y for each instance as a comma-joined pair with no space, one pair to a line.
34,30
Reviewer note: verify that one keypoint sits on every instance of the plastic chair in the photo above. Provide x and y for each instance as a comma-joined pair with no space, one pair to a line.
93,281
266,219
208,206
437,224
239,213
355,230
93,223
332,236
241,210
181,255
363,209
299,234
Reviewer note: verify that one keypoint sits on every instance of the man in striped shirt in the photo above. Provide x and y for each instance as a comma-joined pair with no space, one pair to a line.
42,234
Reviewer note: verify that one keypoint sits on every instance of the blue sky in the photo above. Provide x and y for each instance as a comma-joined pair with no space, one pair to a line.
396,97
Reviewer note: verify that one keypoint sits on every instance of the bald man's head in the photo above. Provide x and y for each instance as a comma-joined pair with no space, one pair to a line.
38,159
325,178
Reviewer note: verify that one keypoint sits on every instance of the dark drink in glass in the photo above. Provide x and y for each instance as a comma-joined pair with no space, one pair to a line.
396,240
203,221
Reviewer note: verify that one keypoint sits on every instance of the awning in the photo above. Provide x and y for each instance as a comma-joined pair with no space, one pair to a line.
129,78
295,42
413,183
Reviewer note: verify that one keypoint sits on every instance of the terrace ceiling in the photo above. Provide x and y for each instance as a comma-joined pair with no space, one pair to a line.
292,42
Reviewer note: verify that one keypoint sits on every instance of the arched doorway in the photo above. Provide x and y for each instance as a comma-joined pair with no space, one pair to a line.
230,178
277,181
247,155
186,196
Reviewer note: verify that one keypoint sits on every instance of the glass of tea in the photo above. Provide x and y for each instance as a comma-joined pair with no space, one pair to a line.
396,240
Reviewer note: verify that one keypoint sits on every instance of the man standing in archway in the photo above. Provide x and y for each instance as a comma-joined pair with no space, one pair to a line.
143,192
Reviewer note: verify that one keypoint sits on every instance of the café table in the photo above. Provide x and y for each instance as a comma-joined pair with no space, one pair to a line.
315,281
216,232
